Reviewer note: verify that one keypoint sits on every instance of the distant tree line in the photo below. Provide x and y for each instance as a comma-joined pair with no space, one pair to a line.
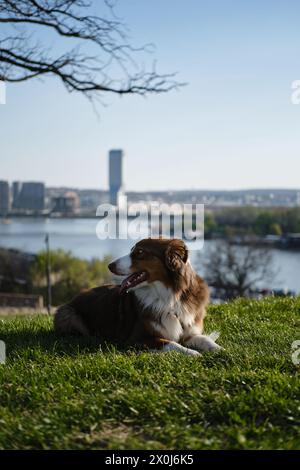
69,274
252,221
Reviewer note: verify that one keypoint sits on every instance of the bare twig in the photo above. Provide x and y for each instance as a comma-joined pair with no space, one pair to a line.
110,68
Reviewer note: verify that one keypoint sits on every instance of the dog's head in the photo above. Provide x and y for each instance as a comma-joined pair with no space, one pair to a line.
150,260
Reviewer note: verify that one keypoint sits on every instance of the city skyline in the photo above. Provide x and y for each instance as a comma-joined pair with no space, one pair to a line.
35,198
106,188
232,127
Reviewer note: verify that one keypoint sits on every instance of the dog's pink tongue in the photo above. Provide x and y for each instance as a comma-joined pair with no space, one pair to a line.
131,281
126,283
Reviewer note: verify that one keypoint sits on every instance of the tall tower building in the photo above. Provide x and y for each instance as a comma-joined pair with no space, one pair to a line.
4,198
115,175
16,190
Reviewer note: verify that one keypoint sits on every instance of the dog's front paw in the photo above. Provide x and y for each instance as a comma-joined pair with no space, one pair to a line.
203,343
192,352
208,344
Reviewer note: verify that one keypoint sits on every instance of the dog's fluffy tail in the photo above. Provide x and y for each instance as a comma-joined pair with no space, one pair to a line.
67,322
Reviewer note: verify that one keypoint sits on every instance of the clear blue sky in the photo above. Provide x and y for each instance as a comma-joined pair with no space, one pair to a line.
233,125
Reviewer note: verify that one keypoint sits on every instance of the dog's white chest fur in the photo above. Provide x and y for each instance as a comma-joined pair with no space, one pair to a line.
171,315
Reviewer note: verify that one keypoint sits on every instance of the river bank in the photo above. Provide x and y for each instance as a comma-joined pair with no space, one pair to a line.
79,236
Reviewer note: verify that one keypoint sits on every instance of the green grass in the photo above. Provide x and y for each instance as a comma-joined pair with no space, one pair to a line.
69,394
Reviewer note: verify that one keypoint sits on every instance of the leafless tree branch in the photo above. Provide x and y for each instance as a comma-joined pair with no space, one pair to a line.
238,271
107,65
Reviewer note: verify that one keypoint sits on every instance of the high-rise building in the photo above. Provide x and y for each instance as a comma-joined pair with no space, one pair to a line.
32,196
16,190
4,198
115,175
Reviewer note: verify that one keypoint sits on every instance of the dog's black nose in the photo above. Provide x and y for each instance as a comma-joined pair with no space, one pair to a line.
112,267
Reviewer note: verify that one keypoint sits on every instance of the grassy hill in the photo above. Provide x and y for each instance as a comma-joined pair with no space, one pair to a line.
68,393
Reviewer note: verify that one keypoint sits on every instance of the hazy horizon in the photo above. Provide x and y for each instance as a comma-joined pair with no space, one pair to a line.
182,189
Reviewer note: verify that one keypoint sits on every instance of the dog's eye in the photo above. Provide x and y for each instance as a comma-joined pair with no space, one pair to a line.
139,252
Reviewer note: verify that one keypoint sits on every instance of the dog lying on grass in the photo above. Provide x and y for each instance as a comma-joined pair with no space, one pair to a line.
160,304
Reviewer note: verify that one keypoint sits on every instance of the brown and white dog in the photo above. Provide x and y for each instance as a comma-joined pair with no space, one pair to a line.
160,304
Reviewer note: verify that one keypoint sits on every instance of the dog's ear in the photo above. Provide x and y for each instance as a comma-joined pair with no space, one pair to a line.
176,255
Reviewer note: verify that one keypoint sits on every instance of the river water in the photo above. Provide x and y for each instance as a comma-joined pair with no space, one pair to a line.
79,237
